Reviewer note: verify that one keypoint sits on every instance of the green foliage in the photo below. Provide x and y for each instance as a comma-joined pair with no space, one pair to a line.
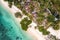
24,23
9,0
10,4
44,31
16,3
31,7
18,14
40,14
40,17
30,16
56,27
56,2
24,12
54,5
41,28
50,18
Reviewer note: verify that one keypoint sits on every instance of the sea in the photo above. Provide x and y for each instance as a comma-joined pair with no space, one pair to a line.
9,29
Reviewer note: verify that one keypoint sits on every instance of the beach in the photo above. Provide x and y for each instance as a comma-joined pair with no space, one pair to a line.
36,35
8,20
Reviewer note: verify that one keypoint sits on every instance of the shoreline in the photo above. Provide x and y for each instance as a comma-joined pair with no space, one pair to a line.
35,33
13,10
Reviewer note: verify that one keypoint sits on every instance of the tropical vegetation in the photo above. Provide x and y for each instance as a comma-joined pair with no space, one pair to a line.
24,23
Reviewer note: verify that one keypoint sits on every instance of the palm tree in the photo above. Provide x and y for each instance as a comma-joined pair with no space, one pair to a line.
18,14
24,23
44,31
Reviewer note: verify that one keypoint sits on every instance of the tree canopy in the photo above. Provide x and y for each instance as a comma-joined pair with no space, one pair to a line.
50,18
24,23
18,14
44,31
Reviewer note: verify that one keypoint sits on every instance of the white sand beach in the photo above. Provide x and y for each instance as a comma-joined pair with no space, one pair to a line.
31,30
54,32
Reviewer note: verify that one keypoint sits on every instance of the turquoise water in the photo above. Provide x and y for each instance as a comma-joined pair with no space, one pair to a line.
9,29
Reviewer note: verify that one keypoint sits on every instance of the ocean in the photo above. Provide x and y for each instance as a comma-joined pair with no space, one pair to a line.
9,29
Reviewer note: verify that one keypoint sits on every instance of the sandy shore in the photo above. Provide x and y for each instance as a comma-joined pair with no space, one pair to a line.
31,30
54,32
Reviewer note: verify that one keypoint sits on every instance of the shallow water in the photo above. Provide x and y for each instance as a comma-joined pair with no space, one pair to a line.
9,30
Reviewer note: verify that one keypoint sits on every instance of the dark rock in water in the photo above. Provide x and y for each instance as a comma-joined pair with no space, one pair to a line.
5,37
18,38
3,30
2,27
